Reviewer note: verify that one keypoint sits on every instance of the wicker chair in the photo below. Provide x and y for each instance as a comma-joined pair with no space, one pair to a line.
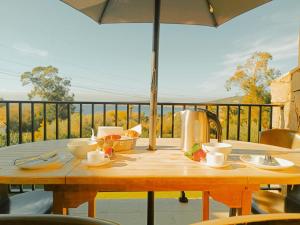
50,220
266,201
270,219
32,202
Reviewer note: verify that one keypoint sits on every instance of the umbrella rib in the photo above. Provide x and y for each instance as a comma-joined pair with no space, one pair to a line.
212,15
103,11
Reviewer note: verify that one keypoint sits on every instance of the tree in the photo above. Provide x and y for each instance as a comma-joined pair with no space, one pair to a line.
49,86
254,78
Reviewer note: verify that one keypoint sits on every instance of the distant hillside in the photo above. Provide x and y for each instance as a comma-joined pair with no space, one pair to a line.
234,99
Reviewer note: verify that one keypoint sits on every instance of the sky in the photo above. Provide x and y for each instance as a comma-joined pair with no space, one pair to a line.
113,62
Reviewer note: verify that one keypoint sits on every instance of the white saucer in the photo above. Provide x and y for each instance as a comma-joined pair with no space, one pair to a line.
95,164
254,160
215,166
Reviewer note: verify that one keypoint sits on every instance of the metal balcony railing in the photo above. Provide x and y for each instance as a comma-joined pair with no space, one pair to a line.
21,121
239,121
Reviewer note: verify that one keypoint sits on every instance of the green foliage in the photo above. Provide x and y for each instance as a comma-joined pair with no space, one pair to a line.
253,78
49,86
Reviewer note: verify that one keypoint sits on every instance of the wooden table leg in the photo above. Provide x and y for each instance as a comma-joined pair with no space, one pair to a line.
205,205
246,202
92,207
235,196
58,206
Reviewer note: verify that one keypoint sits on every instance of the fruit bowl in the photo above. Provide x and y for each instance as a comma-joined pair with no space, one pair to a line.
81,146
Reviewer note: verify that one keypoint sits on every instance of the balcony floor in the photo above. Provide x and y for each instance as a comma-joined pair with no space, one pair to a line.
167,211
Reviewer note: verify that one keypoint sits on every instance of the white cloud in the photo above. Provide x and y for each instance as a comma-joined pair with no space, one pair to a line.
27,49
281,49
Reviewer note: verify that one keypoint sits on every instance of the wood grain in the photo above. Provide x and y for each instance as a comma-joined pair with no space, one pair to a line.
166,169
10,174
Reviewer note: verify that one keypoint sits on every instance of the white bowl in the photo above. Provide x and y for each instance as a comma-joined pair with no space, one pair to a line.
217,147
81,146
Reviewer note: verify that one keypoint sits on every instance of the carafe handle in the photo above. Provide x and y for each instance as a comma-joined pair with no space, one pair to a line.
216,120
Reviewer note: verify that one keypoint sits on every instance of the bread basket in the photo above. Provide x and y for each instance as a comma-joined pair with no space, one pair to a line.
119,142
124,144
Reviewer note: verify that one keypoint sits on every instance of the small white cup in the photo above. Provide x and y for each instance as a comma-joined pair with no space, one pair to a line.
215,158
95,156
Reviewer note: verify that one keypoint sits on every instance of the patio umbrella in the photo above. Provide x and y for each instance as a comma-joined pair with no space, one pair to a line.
193,12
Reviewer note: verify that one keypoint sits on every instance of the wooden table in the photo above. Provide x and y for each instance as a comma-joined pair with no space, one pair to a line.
166,169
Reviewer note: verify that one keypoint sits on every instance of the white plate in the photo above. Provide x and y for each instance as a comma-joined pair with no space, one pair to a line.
215,166
95,164
52,163
255,160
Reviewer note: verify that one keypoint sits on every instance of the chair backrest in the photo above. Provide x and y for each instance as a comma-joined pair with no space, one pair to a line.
287,139
3,192
4,199
280,137
51,220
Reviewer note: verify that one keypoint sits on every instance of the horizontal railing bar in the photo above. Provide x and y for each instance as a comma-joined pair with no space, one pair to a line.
141,103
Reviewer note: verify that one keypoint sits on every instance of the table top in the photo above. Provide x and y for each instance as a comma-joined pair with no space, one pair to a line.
10,174
140,169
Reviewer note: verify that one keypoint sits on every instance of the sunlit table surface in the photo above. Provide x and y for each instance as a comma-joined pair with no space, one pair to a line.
168,161
166,169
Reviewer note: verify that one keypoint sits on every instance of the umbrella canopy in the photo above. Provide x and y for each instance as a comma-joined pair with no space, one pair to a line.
193,12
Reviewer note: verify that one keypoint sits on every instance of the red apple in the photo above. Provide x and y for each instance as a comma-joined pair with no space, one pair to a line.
199,155
108,151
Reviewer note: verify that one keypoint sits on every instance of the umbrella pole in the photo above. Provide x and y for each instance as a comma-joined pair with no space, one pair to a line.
153,102
153,97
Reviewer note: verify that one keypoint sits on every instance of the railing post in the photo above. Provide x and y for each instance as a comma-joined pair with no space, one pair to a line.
116,114
69,120
93,116
239,123
20,124
282,120
161,120
227,123
80,120
56,122
45,120
173,121
139,113
249,123
7,124
127,116
271,118
104,114
259,121
32,122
